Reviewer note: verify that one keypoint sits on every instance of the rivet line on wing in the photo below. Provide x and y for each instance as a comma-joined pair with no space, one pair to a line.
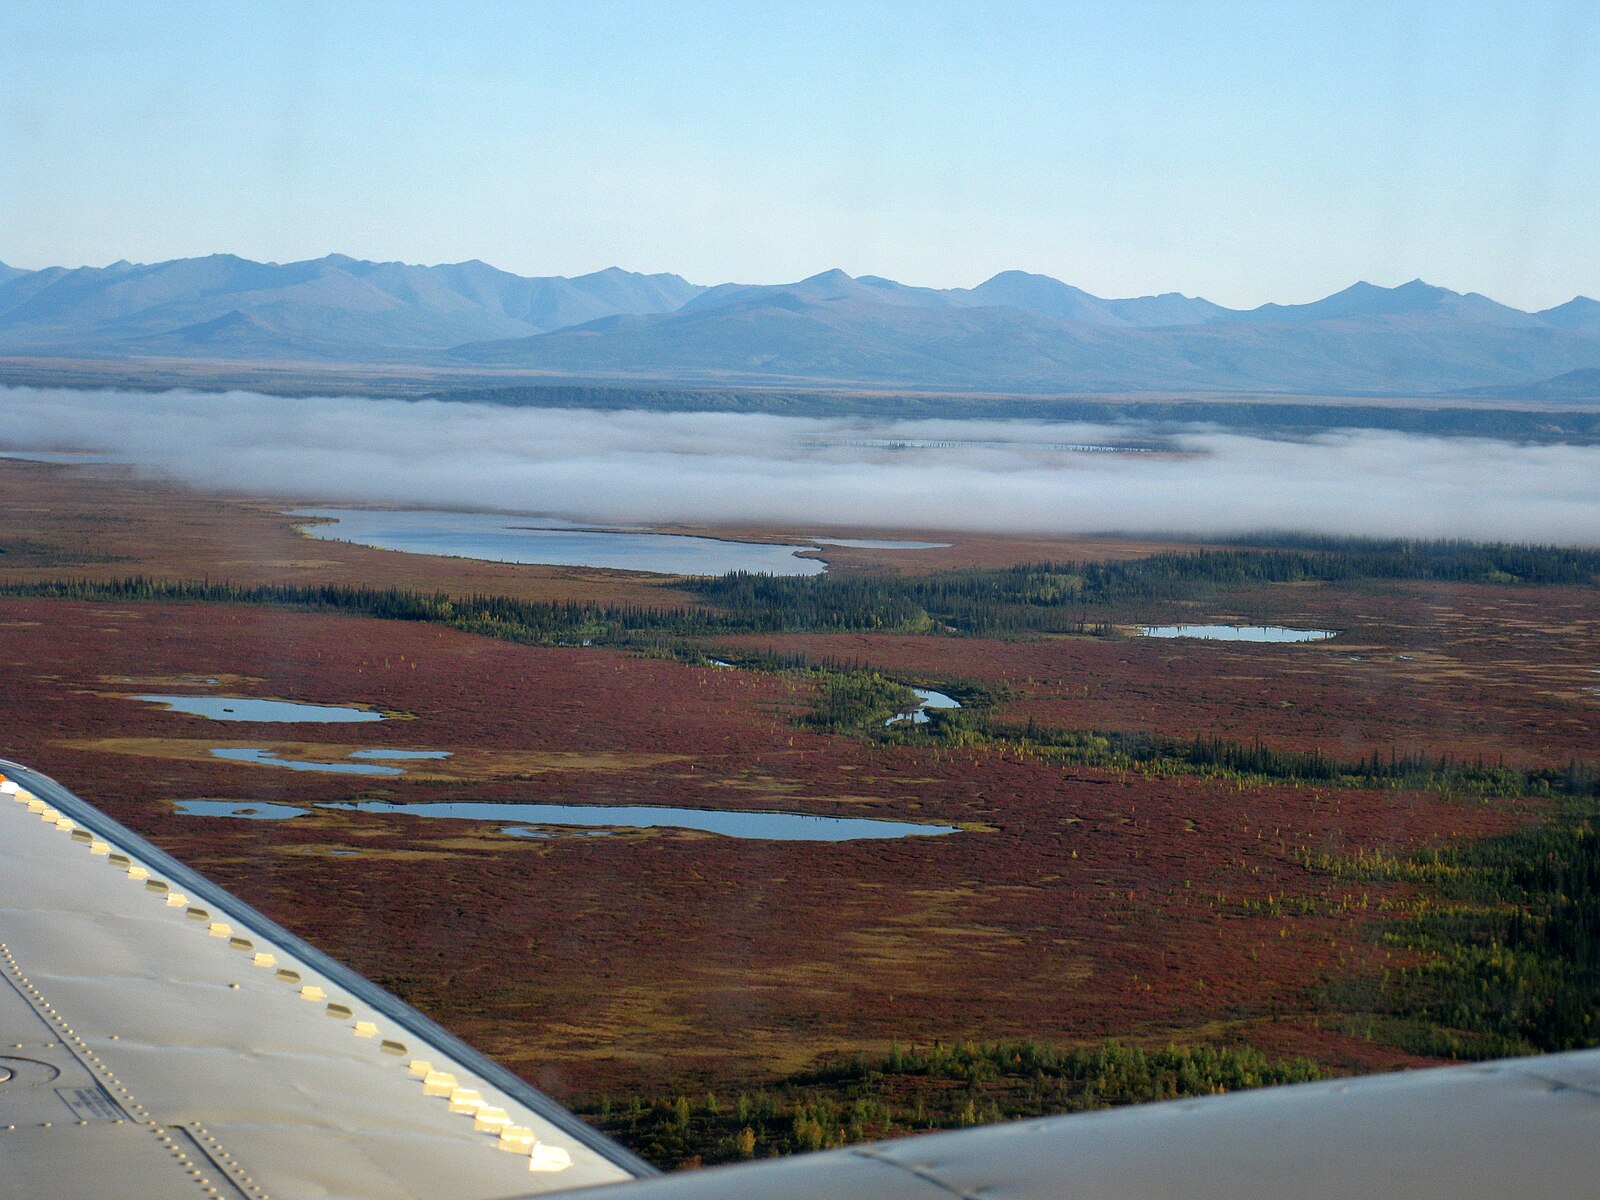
55,1021
84,1054
81,1050
163,1134
226,1161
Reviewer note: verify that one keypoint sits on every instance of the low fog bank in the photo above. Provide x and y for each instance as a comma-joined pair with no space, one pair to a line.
638,467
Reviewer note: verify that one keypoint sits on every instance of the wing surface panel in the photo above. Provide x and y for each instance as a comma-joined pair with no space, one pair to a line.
150,1020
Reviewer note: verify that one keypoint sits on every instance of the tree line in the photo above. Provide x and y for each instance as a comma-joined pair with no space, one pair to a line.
1062,597
1508,954
1255,760
942,1086
1030,598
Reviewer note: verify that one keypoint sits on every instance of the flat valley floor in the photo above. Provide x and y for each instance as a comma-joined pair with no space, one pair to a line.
1077,904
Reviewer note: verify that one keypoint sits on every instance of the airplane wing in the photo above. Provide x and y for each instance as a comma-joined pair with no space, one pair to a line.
158,1038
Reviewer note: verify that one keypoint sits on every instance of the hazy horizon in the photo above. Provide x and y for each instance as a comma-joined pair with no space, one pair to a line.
822,270
806,473
1237,151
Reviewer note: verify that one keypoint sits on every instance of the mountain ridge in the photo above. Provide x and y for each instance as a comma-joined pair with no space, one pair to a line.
832,329
335,301
1014,331
1579,386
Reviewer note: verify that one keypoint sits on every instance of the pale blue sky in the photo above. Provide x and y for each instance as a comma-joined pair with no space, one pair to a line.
1242,151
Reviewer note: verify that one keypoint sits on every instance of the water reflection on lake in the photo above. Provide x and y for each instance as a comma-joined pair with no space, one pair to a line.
269,758
512,539
1239,633
769,825
929,699
775,826
879,544
497,538
237,708
254,810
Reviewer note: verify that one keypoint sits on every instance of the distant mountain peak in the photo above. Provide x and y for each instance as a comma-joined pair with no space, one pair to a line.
1046,296
1579,311
1018,276
1575,304
230,326
1579,387
1366,300
1411,288
1420,287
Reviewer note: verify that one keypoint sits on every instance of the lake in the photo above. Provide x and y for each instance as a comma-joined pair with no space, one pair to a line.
259,757
498,538
238,708
880,544
1239,633
254,810
769,826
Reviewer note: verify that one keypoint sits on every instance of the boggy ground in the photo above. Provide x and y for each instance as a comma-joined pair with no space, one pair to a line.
1080,904
1460,669
104,521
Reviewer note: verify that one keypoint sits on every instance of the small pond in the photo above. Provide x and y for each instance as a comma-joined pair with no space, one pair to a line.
1239,633
930,699
236,708
775,826
270,758
254,810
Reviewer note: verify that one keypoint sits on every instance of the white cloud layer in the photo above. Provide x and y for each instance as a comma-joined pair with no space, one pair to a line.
638,467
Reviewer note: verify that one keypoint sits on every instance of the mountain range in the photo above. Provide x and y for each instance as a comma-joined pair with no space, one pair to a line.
328,308
1017,332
